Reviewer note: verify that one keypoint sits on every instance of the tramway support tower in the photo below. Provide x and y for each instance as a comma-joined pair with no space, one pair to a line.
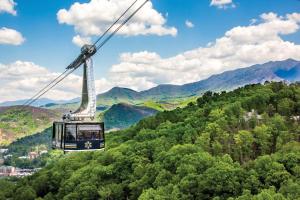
78,130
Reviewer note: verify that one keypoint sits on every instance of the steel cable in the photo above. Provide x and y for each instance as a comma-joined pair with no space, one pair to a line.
29,100
61,79
121,25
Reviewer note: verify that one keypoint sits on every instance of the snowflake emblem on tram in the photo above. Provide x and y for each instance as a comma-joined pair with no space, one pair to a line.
88,145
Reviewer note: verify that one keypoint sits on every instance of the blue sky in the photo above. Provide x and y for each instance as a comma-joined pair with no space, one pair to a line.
48,43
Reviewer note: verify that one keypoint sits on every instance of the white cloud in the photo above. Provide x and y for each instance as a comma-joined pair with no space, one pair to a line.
240,47
8,7
10,36
189,24
93,18
222,3
20,80
80,41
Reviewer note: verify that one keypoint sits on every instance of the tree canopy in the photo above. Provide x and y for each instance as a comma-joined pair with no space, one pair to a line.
238,145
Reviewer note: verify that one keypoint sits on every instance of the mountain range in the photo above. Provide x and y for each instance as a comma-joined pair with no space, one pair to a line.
40,102
286,70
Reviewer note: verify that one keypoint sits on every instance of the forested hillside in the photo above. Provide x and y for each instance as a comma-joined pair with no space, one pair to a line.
123,115
238,145
17,122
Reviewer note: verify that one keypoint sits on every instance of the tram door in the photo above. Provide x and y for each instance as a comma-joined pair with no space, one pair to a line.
78,136
58,135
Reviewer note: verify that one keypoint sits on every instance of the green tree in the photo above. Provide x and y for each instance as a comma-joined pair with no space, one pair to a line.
25,193
262,139
223,180
244,141
277,126
286,107
291,189
6,189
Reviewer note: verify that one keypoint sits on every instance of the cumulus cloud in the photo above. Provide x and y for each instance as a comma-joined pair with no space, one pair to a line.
94,17
8,7
222,3
22,79
240,47
189,24
10,36
80,41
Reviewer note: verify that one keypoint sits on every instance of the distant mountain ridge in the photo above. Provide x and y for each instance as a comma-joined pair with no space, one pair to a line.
250,75
40,102
118,95
287,70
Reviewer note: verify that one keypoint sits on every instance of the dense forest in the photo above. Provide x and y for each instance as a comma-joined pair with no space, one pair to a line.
239,145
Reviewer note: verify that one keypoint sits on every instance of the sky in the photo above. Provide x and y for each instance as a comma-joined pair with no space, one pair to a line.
167,42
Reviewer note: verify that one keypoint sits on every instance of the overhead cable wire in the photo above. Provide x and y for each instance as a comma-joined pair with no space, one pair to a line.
107,30
121,25
29,100
57,82
115,22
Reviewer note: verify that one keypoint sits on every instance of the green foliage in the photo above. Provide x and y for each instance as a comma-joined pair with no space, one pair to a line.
125,115
212,150
25,193
6,189
16,122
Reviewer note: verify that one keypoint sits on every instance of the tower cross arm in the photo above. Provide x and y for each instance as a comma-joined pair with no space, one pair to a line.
87,51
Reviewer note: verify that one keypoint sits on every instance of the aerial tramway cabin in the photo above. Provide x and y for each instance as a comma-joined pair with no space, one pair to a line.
78,136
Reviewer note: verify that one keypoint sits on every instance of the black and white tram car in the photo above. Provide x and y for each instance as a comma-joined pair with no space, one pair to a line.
78,136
